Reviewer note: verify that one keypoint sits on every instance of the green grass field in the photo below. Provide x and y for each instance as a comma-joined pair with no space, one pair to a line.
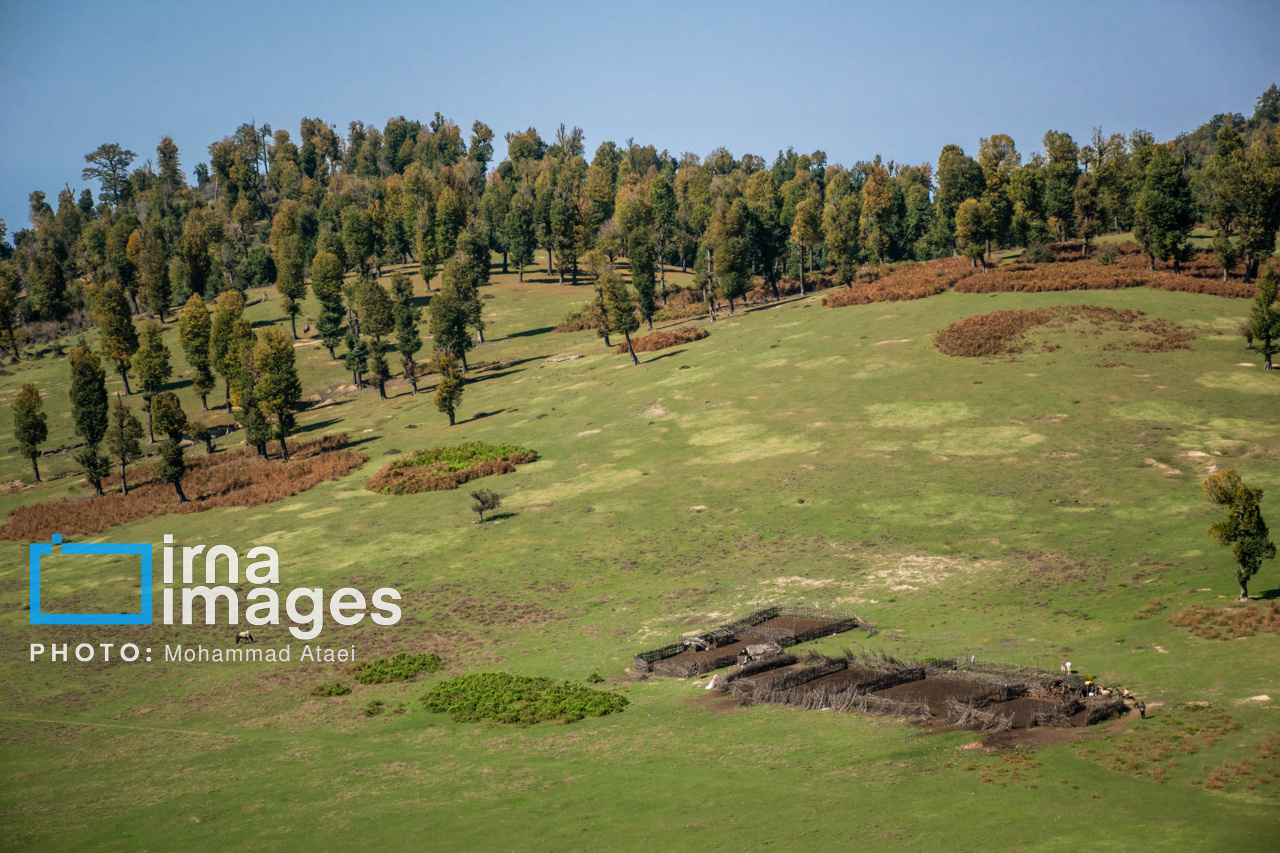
1017,509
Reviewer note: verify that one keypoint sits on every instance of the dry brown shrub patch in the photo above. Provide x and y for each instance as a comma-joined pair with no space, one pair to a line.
899,282
229,478
662,340
1004,333
1228,623
1071,272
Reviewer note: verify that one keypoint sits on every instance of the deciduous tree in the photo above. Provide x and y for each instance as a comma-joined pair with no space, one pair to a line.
30,424
89,412
172,420
124,439
618,308
1243,529
451,385
278,388
151,363
407,317
1265,316
117,335
194,334
326,282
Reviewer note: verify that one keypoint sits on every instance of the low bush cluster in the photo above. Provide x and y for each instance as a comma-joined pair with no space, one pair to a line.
662,340
1001,333
334,689
228,478
1227,623
899,282
1262,769
1152,750
443,468
499,697
399,667
580,319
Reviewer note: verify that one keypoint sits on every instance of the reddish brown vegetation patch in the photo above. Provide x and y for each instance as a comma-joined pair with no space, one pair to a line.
1071,272
899,283
229,478
587,317
1003,332
1225,623
406,481
662,340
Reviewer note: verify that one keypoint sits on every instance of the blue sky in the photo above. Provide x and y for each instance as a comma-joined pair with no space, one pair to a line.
854,79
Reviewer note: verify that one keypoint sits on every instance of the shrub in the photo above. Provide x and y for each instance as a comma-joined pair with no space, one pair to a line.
443,468
1229,622
1037,253
1107,255
399,667
580,319
662,340
374,708
899,283
595,678
334,689
1003,332
499,697
234,478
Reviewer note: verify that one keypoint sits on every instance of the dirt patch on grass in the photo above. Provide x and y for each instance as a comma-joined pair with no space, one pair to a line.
228,478
1004,333
934,692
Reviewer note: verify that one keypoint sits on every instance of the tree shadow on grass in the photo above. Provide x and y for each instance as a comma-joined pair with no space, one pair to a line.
480,415
664,355
1269,595
318,425
527,333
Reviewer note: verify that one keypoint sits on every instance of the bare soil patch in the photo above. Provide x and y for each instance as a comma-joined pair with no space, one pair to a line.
935,692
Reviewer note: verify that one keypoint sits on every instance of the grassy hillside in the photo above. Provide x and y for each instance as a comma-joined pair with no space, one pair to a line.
1026,508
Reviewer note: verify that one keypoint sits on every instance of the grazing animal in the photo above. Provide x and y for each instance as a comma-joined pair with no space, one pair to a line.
246,637
1066,667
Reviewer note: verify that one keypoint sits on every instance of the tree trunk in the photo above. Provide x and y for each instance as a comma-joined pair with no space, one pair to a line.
97,488
1151,262
382,393
177,487
522,275
464,370
204,402
151,435
208,442
293,325
284,448
124,484
227,382
634,361
504,261
548,261
451,417
35,466
124,377
1244,590
649,320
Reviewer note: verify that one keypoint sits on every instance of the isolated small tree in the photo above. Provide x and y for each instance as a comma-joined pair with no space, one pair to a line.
278,389
974,228
1243,529
1088,209
194,330
618,309
30,424
89,412
451,385
448,316
169,418
1265,316
642,277
151,363
485,500
326,283
117,336
124,438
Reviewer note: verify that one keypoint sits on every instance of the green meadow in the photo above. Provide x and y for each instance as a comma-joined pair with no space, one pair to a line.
1027,509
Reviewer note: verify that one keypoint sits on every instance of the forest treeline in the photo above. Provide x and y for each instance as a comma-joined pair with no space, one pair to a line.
269,209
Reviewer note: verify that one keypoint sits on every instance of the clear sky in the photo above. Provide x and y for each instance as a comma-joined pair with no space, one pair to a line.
854,79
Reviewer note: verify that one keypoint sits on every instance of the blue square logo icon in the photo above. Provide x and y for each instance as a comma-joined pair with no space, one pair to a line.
36,550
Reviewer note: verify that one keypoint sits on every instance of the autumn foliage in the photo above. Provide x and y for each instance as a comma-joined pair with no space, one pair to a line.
1212,623
1001,333
230,478
662,340
900,282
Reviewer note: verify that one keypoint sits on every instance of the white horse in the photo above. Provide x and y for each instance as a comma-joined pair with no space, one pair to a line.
246,637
